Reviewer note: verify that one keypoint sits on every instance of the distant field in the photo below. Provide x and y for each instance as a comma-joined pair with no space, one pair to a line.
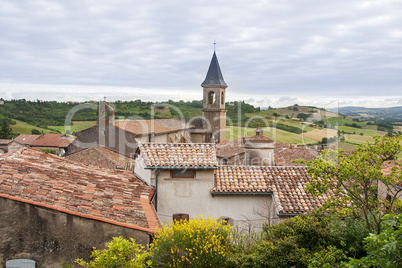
77,126
25,128
367,132
357,139
318,134
277,134
346,146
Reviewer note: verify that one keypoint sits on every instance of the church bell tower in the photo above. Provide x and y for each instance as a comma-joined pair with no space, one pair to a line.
214,112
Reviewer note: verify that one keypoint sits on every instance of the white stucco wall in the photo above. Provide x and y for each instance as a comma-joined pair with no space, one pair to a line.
140,170
193,197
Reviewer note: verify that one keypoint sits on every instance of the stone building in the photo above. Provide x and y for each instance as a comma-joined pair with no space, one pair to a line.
259,149
214,112
9,145
122,135
60,143
53,210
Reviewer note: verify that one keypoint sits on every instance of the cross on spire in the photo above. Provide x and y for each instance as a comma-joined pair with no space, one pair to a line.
214,45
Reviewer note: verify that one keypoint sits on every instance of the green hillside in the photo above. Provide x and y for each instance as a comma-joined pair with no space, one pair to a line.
25,128
293,124
76,126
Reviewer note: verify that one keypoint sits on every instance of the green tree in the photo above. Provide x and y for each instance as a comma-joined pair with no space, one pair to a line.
353,180
34,131
384,249
6,131
119,252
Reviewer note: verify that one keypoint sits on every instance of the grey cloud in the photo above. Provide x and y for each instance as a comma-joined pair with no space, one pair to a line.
341,48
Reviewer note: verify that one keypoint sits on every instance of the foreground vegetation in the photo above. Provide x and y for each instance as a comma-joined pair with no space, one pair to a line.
314,240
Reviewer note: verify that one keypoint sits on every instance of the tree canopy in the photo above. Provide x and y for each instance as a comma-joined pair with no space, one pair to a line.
358,181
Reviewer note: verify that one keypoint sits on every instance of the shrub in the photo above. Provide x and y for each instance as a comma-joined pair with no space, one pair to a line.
195,243
316,240
119,252
288,128
49,151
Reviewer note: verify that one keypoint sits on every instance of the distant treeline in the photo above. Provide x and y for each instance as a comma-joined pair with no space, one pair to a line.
52,113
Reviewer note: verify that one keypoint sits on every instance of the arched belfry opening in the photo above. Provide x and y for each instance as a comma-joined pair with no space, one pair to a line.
214,112
211,97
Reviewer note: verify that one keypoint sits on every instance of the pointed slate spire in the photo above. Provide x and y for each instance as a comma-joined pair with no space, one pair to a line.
214,76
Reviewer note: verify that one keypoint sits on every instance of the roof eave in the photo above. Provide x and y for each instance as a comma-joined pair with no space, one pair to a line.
184,167
240,193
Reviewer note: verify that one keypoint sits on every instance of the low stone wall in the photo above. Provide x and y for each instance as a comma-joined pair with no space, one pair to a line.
50,237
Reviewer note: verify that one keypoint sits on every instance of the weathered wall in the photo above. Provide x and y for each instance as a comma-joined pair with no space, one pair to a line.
50,237
383,191
113,138
260,154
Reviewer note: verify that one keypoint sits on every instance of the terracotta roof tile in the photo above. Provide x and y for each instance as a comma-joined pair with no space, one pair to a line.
26,139
286,156
5,142
228,149
53,140
157,126
42,179
172,155
286,184
102,157
258,139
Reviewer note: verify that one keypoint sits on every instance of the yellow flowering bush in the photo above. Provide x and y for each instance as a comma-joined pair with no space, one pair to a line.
195,243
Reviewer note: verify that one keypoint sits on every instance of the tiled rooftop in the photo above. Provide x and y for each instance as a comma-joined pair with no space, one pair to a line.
286,156
113,196
173,155
26,139
258,139
228,149
53,140
102,157
157,126
286,184
5,142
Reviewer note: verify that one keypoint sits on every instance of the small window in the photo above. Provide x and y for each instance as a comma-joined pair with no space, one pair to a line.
222,98
180,217
183,173
226,221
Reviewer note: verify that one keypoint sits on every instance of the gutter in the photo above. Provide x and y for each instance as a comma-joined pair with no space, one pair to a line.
198,167
152,198
158,171
239,193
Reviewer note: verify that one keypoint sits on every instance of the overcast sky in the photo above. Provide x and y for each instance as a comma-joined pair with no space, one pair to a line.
271,53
